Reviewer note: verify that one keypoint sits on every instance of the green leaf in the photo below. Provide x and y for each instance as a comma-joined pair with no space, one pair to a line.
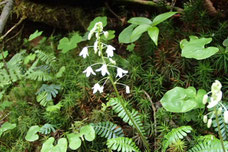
138,31
35,35
125,35
32,133
139,20
131,47
153,33
88,132
111,35
181,100
53,108
61,71
48,145
195,48
74,141
4,105
66,44
30,57
5,54
97,19
225,42
61,146
162,17
6,126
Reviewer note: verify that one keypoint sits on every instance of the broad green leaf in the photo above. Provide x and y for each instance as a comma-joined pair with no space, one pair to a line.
225,42
35,35
61,146
6,126
66,44
32,133
97,19
153,33
74,141
138,31
48,145
162,17
125,35
5,54
195,48
181,100
88,132
139,20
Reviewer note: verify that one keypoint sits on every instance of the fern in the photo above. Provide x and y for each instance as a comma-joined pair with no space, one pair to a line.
174,135
131,117
47,129
49,59
209,146
122,144
108,130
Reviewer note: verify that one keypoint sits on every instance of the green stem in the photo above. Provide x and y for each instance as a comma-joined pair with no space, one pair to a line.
219,130
146,144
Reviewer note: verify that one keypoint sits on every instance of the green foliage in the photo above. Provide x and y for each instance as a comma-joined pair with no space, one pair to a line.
47,129
32,133
195,48
35,35
122,144
139,25
66,44
183,100
209,146
108,130
174,135
6,126
97,19
60,147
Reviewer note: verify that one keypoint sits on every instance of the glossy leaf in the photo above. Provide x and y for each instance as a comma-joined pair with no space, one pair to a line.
66,44
74,141
138,31
195,48
32,133
88,132
125,35
153,33
139,20
181,100
162,17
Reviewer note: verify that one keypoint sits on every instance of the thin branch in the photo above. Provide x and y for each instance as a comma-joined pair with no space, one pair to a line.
5,14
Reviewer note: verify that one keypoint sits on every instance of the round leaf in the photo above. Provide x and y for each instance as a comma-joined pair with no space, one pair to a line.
74,141
61,146
181,100
88,132
32,133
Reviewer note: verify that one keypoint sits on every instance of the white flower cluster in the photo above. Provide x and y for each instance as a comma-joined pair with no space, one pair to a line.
107,61
213,99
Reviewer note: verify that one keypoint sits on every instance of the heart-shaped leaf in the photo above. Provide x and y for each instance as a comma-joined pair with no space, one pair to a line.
153,33
162,17
88,132
139,20
181,100
61,146
48,145
32,133
195,48
74,141
66,44
6,126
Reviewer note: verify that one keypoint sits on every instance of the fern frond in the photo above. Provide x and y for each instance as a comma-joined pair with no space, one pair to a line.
209,146
174,135
47,58
123,144
131,117
108,130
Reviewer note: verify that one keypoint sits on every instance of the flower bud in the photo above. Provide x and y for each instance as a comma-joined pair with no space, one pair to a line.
205,99
220,111
226,117
209,123
205,118
216,86
106,34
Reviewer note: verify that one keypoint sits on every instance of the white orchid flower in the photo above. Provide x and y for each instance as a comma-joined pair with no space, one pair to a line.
97,87
112,61
106,34
103,69
215,99
127,89
95,46
216,86
110,50
89,71
91,32
120,72
205,99
84,53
